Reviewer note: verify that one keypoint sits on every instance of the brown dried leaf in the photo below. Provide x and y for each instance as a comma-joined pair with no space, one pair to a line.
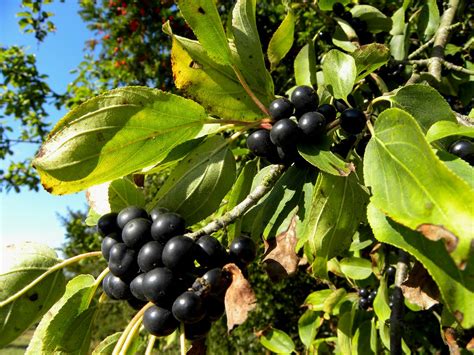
198,347
420,288
239,298
450,336
280,259
434,232
470,345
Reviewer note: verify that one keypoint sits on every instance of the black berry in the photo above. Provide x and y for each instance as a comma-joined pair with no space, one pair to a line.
136,233
243,249
116,288
106,245
107,224
215,307
340,105
198,330
391,271
463,149
136,303
305,100
284,133
352,121
364,303
371,296
159,286
122,261
259,143
312,124
338,9
149,256
213,280
360,148
188,308
129,213
210,252
281,108
363,293
136,287
328,111
166,226
159,321
157,211
179,253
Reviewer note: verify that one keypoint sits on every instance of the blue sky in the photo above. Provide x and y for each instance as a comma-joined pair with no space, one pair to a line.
34,215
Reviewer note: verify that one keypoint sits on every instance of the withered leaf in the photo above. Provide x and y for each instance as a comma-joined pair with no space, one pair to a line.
420,288
280,259
434,232
239,298
450,336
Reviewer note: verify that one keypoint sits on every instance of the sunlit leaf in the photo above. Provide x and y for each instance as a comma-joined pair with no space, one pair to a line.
282,40
340,73
277,341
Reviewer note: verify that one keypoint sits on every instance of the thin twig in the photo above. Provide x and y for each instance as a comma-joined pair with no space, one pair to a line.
249,91
396,315
424,46
260,191
182,341
151,344
445,63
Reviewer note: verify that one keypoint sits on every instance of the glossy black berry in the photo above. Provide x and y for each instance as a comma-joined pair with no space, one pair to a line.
136,233
243,249
210,252
149,256
305,100
160,286
159,321
166,226
107,224
106,245
198,330
179,253
338,9
136,303
123,261
364,303
463,149
391,271
215,307
363,293
344,146
157,211
340,105
328,111
116,288
287,155
347,16
129,213
136,287
352,121
281,108
312,124
285,133
371,296
188,308
215,280
259,143
360,148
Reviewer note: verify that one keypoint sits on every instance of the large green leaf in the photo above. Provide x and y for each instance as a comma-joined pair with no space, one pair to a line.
204,19
282,40
340,73
305,65
196,187
429,19
443,129
369,58
344,327
67,327
277,341
21,264
113,135
376,21
412,186
457,165
424,103
336,210
213,85
456,286
250,58
308,326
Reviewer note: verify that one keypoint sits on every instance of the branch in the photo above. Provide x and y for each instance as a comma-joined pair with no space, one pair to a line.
249,91
228,218
464,120
441,39
424,46
396,315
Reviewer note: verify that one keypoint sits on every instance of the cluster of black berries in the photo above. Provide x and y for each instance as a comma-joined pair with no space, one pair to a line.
366,298
464,149
150,260
359,26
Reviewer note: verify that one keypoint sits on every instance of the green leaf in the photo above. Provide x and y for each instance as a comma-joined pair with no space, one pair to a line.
381,307
443,129
113,135
429,19
107,345
369,58
21,264
308,326
344,36
412,186
250,58
340,73
326,5
213,85
196,187
282,40
424,103
344,327
362,338
206,23
315,300
321,157
333,300
123,193
67,327
376,21
356,268
277,341
336,210
305,65
458,166
456,286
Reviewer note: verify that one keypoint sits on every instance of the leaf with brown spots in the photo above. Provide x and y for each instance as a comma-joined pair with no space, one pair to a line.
239,298
280,259
434,232
420,288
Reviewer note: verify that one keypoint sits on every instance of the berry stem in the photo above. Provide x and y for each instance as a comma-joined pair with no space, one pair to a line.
48,272
396,316
150,345
249,91
182,340
254,196
131,335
